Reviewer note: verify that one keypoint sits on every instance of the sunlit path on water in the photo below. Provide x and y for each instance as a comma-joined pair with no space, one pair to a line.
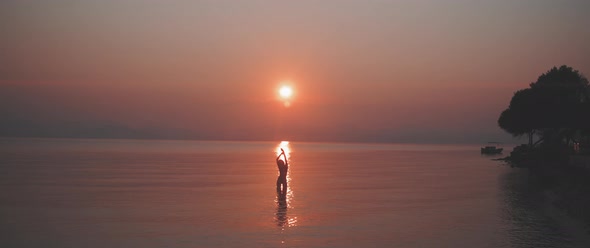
283,201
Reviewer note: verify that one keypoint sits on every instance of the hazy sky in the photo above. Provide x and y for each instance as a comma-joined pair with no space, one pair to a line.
398,71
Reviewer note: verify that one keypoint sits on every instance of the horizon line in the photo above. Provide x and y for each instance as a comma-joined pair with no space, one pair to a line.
255,141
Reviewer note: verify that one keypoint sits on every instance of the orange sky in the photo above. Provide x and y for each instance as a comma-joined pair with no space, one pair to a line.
375,71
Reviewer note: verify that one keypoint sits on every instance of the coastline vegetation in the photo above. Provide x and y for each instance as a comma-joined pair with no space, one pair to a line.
554,114
554,110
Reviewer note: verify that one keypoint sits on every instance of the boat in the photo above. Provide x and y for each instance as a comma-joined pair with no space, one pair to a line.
492,148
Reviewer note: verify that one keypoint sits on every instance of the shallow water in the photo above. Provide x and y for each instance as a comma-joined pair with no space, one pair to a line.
129,193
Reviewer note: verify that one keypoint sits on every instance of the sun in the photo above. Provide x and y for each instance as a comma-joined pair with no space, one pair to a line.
285,92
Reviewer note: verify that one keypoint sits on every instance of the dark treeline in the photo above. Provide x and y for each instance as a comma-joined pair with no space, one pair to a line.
554,112
555,108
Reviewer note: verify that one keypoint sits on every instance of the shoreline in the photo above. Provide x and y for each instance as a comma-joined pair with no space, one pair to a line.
578,228
564,190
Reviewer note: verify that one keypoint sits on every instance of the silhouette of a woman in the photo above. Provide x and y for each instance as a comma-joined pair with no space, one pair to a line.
283,168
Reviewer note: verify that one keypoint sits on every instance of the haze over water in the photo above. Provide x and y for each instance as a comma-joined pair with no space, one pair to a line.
427,71
130,193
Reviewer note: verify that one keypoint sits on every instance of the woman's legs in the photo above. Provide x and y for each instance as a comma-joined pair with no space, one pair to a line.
278,184
282,181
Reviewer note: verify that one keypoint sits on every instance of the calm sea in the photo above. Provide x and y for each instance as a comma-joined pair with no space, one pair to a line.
130,193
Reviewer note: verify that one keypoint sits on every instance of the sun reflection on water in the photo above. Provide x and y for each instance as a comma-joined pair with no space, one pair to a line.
285,146
284,201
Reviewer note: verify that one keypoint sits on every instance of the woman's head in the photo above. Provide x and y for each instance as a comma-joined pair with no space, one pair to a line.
280,162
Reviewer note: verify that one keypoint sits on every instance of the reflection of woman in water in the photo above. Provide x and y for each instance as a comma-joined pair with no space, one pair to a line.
281,216
283,168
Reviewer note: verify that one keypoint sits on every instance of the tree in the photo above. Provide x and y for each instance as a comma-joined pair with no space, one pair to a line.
518,118
554,107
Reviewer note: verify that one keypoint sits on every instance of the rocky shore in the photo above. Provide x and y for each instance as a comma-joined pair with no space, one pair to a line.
568,189
564,186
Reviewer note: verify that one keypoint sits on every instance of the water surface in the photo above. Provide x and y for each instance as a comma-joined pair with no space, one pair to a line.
129,193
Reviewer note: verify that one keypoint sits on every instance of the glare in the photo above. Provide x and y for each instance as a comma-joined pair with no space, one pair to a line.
286,92
285,146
